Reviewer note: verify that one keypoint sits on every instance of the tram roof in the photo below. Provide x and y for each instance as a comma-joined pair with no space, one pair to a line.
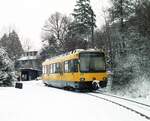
68,55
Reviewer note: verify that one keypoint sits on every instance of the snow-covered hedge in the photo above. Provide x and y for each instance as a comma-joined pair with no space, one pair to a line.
7,75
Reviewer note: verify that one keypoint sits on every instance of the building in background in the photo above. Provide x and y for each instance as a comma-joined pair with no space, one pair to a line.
29,65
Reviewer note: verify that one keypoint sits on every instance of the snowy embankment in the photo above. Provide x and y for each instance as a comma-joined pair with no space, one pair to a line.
138,90
35,102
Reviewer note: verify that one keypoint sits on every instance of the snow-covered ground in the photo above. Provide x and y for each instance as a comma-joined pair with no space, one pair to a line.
35,102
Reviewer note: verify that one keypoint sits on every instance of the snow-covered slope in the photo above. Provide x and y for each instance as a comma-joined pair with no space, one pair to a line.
35,102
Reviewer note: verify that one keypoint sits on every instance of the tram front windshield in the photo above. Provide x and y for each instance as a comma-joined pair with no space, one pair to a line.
92,62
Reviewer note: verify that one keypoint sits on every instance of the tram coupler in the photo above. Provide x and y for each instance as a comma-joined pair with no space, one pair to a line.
95,85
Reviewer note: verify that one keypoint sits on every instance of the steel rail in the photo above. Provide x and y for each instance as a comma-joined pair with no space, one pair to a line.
130,100
131,109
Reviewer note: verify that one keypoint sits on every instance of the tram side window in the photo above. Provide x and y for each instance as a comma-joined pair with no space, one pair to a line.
57,66
46,69
75,65
71,66
53,66
66,66
50,68
43,70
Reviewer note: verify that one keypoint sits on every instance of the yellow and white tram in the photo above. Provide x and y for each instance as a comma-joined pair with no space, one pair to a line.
78,69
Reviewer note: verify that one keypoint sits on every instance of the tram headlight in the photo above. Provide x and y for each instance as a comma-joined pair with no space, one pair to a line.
94,78
104,78
82,79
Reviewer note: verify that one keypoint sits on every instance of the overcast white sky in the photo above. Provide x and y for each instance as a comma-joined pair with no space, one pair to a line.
28,16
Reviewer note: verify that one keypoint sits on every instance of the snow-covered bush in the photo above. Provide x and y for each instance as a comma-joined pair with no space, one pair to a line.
130,78
7,75
131,65
139,87
123,73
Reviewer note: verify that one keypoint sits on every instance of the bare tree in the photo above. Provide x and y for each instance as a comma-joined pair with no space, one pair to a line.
26,45
57,26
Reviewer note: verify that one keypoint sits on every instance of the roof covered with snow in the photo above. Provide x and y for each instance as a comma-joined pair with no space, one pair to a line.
27,58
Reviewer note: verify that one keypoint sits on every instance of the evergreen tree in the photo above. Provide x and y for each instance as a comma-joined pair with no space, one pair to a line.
15,45
49,49
73,40
7,75
84,18
4,41
12,45
141,20
121,10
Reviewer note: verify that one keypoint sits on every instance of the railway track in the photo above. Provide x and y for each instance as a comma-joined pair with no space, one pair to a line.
130,100
134,106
